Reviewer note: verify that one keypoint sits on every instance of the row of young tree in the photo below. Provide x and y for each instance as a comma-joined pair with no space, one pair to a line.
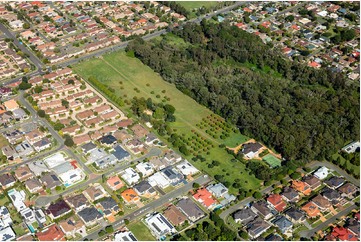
304,114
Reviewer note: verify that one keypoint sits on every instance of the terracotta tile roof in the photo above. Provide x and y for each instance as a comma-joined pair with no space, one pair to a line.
301,187
311,209
277,202
115,183
130,195
343,234
204,196
52,233
175,216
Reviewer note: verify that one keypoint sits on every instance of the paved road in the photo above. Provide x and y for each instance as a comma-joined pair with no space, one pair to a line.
149,207
43,201
32,57
310,233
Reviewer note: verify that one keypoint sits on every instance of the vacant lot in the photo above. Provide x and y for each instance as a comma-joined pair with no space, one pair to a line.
141,232
129,78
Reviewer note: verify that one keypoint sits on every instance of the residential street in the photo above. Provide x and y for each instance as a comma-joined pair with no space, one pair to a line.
150,207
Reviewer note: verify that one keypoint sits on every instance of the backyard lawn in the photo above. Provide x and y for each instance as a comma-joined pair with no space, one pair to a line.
141,232
129,77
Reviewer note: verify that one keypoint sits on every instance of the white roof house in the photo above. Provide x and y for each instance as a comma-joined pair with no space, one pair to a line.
321,173
55,160
38,167
352,147
322,13
17,199
186,168
145,168
130,176
72,176
5,219
7,234
125,236
159,225
159,180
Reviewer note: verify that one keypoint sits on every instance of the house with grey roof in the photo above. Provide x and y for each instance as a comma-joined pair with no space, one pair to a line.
257,228
333,196
62,168
106,161
9,152
290,195
190,209
295,215
24,149
244,216
218,190
7,180
109,206
173,176
283,223
50,180
38,167
33,185
90,216
143,188
335,182
20,114
88,147
250,150
42,144
262,209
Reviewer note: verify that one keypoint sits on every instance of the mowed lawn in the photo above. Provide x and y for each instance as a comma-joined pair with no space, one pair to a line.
141,232
124,74
190,5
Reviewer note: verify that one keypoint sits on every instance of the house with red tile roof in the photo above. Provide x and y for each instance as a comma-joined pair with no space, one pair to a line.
130,196
276,201
343,234
52,233
205,198
314,64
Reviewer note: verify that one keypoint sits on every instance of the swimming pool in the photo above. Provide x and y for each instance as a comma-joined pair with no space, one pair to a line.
31,228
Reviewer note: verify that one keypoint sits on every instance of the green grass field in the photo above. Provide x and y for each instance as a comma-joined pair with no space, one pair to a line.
272,160
124,74
190,5
141,232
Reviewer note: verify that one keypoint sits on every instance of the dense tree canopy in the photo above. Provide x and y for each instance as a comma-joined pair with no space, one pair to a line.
302,112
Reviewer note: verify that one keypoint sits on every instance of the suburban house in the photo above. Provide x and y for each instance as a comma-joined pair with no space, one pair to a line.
190,209
58,209
186,168
159,180
312,181
159,225
90,216
244,216
343,234
321,173
275,200
115,183
144,188
51,233
120,153
124,236
352,147
218,190
172,175
205,198
88,147
335,182
250,150
257,227
50,180
348,190
174,215
290,195
262,209
130,196
311,210
333,196
70,226
77,202
322,203
130,176
283,223
109,206
33,185
145,168
139,131
23,173
301,187
95,192
295,215
7,181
